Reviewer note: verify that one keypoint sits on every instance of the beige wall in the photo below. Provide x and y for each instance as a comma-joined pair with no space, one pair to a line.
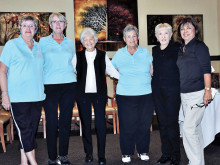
206,7
216,64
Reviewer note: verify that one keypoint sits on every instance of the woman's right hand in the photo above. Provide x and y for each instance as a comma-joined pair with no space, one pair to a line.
6,101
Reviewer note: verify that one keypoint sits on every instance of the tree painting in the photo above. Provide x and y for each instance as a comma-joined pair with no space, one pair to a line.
107,17
95,17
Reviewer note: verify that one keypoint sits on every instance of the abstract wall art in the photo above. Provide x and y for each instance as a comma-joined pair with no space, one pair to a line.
173,20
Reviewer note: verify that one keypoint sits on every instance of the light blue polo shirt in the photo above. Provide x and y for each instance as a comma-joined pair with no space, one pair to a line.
135,77
58,68
25,71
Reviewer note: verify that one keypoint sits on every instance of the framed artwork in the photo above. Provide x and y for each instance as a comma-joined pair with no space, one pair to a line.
107,17
173,20
215,80
9,25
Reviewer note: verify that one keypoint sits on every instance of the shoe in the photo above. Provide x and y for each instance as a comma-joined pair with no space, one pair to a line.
174,162
126,158
52,162
63,160
163,159
102,161
88,158
143,156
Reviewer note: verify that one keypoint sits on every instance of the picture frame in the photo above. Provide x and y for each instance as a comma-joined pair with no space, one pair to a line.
108,18
215,83
173,20
9,25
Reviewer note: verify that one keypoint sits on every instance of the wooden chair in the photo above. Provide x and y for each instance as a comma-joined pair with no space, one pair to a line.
4,112
43,118
111,106
112,97
76,118
5,120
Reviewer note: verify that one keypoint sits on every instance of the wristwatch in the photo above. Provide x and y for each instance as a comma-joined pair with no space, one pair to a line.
208,89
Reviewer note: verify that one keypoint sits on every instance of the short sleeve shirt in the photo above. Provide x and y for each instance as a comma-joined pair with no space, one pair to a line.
58,68
134,70
25,71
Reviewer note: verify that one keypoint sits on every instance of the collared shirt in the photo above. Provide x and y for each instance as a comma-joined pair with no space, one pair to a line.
134,70
193,63
90,77
25,71
58,68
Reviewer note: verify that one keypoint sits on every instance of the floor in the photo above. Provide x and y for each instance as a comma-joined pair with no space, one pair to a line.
113,154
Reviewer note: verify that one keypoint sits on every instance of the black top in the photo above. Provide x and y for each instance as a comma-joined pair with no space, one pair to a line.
166,73
100,68
193,64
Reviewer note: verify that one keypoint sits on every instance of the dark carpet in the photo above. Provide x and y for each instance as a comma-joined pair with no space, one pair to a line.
113,154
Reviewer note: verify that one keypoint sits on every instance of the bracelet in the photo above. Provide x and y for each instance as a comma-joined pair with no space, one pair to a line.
4,93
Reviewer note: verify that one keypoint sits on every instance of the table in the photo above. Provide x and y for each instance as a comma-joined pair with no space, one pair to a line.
210,122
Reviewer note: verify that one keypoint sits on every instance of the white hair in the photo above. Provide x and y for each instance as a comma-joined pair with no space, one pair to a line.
87,31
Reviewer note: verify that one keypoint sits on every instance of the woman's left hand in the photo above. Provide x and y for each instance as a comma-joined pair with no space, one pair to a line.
207,97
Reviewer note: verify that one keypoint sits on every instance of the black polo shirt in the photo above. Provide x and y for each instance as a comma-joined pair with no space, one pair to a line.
193,64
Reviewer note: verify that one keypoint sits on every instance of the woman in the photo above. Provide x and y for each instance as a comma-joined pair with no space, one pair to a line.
195,86
166,93
92,66
21,71
60,88
134,98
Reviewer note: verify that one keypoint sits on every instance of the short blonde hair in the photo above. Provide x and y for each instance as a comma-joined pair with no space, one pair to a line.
60,16
163,26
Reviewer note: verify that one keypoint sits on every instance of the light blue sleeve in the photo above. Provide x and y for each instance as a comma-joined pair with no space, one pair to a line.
114,60
149,55
7,53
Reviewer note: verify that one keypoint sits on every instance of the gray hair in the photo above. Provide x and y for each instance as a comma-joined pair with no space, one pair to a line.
165,26
87,31
60,16
28,18
129,28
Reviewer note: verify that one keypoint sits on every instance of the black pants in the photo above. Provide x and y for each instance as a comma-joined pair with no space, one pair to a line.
26,117
64,96
84,105
135,117
167,104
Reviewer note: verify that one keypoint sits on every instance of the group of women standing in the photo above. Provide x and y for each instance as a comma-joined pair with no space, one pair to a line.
31,71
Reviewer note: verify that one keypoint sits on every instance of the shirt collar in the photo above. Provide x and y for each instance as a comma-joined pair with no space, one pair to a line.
190,42
139,50
51,36
22,40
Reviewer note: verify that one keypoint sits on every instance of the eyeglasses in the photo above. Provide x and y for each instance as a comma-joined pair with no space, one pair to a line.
199,105
57,22
28,26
